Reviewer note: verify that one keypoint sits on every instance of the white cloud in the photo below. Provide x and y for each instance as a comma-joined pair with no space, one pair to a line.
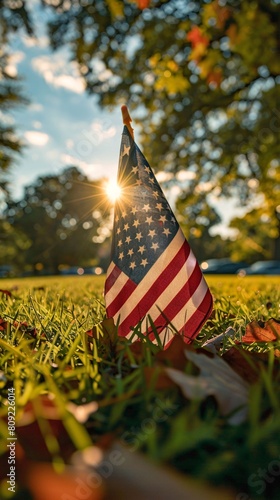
103,129
35,106
164,176
37,124
41,41
13,60
36,138
185,175
90,169
6,119
204,187
59,72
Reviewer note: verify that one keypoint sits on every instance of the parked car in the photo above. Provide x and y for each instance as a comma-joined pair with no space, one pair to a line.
221,266
6,271
80,271
271,267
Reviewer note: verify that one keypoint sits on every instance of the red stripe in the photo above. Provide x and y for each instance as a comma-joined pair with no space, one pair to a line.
194,324
110,280
180,299
121,297
160,284
192,327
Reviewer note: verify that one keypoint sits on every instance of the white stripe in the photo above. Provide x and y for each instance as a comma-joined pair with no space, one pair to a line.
110,269
183,315
119,284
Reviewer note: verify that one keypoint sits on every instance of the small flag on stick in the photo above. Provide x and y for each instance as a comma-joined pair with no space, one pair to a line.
153,279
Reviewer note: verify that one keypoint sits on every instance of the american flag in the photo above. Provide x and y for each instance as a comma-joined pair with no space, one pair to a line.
153,279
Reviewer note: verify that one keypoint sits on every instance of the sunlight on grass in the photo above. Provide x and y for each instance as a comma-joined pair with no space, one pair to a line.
45,350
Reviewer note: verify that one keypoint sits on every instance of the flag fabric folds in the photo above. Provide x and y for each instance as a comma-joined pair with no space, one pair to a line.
153,279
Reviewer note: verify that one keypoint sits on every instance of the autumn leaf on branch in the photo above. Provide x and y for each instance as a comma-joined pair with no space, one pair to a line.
216,12
143,4
197,37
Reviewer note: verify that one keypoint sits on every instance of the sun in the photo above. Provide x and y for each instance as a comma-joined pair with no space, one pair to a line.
113,190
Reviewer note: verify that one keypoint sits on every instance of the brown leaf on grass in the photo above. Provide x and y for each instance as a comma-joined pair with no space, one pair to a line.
23,327
216,379
131,475
4,324
248,364
105,330
137,350
26,328
157,378
174,355
7,293
259,331
45,483
41,423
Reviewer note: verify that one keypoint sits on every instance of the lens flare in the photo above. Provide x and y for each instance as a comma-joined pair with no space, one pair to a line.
113,190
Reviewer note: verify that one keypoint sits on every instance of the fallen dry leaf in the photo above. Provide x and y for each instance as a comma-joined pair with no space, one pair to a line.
7,293
23,327
105,330
258,331
157,378
248,364
217,379
216,342
45,483
130,475
174,354
41,418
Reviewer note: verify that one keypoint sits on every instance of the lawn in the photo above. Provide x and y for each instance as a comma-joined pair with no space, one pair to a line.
79,390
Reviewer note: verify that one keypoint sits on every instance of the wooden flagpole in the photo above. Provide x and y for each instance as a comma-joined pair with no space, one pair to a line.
127,120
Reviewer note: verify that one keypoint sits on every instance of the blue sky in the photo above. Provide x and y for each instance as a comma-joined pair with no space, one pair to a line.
63,125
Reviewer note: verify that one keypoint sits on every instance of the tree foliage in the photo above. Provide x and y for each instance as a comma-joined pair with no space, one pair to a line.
13,246
203,79
13,18
65,218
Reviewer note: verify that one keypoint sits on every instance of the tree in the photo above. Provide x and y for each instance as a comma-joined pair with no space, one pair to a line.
255,235
13,246
13,18
65,217
203,79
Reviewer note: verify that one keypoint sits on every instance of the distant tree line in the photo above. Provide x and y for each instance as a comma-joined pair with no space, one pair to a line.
65,220
61,220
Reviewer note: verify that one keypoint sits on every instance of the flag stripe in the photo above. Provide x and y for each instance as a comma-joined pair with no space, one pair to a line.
113,273
164,302
127,287
159,267
190,313
196,306
116,287
175,303
170,305
151,288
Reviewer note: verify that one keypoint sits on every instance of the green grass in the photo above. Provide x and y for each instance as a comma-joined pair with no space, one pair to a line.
193,436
